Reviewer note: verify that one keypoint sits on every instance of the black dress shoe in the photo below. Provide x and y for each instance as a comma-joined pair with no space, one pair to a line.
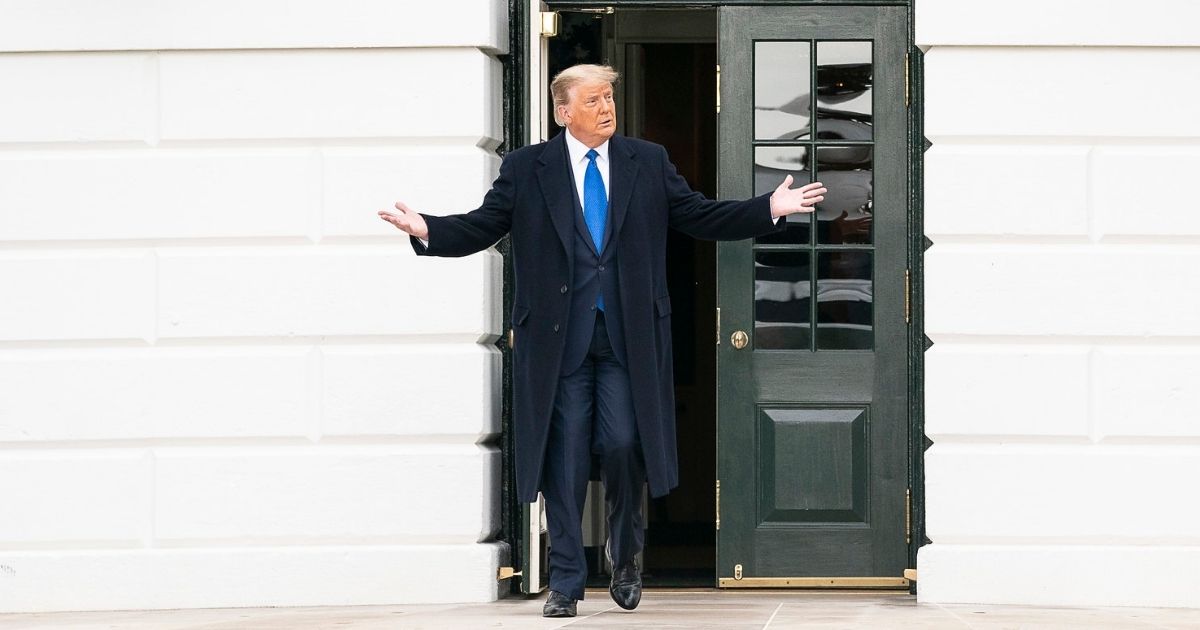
558,605
626,586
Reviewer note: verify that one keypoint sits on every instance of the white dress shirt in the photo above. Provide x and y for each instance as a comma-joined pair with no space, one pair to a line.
577,154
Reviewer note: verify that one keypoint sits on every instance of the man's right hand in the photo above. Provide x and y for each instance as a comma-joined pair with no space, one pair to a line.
406,220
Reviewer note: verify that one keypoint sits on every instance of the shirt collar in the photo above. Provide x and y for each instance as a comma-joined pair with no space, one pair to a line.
578,150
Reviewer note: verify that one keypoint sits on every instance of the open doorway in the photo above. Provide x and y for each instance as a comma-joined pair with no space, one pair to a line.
816,440
667,95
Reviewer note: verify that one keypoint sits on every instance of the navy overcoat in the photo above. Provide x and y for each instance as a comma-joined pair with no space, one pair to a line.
531,198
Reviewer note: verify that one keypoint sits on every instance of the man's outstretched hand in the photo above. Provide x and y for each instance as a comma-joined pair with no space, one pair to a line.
413,223
787,200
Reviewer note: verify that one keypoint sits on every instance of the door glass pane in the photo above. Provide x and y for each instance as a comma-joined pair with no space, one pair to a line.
782,104
782,318
771,165
845,216
844,301
844,77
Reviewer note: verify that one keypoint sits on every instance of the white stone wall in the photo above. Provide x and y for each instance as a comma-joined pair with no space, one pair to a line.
1062,392
223,380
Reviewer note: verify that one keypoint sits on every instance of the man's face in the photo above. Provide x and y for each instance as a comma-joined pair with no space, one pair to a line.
591,113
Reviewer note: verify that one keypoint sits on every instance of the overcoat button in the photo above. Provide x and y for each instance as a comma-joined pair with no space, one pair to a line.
556,328
562,289
601,267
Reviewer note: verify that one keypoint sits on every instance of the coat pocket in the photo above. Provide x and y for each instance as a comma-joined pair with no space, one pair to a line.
662,305
519,315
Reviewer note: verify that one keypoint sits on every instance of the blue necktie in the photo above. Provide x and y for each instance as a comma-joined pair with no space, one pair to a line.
595,206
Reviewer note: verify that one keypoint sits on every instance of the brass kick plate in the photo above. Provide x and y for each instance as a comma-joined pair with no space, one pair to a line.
814,582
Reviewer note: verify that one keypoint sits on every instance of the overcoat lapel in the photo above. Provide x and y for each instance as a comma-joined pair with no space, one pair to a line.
624,173
581,223
554,178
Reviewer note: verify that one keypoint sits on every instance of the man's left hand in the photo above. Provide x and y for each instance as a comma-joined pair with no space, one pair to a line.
787,200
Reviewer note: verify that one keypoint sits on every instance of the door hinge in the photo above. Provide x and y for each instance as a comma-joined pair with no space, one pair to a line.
908,516
718,343
718,504
907,296
550,22
907,100
718,88
507,572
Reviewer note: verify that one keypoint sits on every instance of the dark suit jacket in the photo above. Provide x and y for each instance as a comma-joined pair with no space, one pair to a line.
532,199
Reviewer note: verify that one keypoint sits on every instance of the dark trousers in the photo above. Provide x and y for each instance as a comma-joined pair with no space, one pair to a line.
593,413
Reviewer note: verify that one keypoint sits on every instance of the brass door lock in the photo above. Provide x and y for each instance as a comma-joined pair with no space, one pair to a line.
739,339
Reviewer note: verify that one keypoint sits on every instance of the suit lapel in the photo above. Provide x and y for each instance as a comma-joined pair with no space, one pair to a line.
554,178
624,173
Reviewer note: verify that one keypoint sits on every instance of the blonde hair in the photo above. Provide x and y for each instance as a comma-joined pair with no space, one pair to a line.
560,87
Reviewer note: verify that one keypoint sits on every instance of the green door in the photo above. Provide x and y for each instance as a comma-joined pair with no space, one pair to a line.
812,451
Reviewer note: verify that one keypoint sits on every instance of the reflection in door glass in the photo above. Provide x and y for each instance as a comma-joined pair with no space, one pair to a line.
844,81
782,318
771,166
782,103
845,216
844,301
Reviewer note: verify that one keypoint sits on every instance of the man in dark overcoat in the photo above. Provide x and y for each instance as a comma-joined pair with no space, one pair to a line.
588,212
